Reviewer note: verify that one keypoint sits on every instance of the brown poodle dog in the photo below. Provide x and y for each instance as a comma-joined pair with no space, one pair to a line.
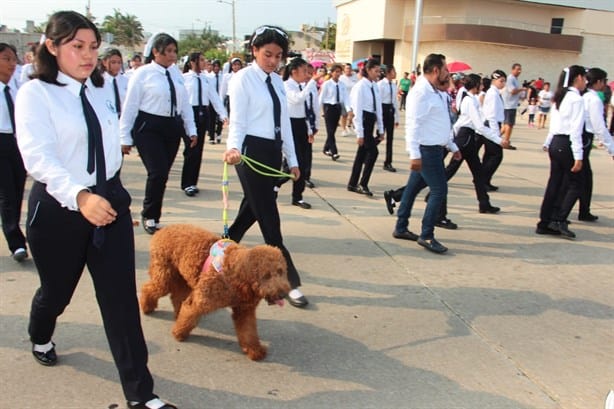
178,254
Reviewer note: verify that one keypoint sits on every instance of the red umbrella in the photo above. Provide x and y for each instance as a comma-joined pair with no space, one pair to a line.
458,66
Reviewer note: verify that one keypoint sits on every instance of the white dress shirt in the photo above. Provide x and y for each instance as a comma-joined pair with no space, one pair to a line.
209,96
349,82
314,103
26,71
361,99
595,122
459,97
6,125
148,91
53,138
492,109
224,86
122,85
388,92
251,110
427,118
328,93
568,119
470,117
297,97
216,80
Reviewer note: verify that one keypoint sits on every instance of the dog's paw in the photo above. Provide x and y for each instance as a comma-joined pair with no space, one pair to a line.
147,306
180,335
255,353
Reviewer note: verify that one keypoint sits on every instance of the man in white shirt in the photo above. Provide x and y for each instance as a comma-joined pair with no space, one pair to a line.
511,98
428,133
348,79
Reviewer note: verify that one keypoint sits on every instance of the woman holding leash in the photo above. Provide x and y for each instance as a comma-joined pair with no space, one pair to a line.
260,128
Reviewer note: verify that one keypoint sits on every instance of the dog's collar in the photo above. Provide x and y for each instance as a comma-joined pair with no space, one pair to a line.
216,255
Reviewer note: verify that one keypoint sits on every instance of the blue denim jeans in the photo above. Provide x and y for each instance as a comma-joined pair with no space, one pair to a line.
433,175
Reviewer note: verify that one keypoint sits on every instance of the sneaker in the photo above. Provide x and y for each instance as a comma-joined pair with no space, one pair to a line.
345,132
20,255
149,225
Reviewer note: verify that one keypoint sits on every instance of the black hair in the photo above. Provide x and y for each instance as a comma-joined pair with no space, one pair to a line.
472,81
62,28
389,68
5,46
369,65
433,60
336,67
193,58
516,65
486,84
593,75
160,42
108,53
136,57
270,34
561,90
294,64
496,74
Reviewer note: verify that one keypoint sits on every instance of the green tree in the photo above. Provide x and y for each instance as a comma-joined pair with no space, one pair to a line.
206,41
330,37
127,30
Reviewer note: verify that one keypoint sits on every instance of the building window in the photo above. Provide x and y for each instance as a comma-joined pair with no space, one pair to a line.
557,26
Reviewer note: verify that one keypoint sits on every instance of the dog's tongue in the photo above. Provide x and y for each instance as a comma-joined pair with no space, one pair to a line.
280,302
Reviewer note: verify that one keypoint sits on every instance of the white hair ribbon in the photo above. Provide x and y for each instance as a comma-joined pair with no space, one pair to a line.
43,38
149,46
566,81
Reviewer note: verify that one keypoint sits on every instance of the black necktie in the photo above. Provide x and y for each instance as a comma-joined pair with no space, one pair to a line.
373,95
95,155
118,103
10,106
173,95
391,95
200,93
337,94
276,109
217,82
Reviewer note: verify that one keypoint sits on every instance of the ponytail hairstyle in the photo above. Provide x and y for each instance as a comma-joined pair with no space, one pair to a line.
61,28
565,80
192,58
485,84
159,43
595,74
371,63
294,64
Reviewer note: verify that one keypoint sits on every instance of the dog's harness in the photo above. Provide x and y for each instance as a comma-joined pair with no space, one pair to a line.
216,255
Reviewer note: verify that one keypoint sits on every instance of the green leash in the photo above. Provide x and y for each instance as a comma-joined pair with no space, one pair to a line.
257,167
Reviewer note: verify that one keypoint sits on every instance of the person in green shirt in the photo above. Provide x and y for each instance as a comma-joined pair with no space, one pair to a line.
404,85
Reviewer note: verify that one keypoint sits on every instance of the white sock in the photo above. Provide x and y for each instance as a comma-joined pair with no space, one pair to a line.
44,348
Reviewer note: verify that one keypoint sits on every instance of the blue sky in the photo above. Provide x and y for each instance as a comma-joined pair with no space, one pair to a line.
170,16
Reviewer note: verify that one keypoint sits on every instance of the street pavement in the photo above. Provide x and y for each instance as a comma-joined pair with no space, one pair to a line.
506,319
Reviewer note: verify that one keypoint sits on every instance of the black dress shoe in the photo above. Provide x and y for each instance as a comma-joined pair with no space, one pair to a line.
352,188
336,156
432,245
189,191
406,235
511,147
300,302
302,204
546,230
144,406
309,184
491,188
561,227
447,224
48,358
389,202
389,168
364,190
588,217
490,209
328,153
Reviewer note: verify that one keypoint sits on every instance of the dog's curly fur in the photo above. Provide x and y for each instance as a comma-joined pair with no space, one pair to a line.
178,254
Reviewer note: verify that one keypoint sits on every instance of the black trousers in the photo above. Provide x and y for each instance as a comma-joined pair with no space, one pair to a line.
586,193
388,119
259,202
466,140
193,157
215,125
564,186
491,159
61,244
12,185
366,155
403,99
332,113
301,144
157,138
